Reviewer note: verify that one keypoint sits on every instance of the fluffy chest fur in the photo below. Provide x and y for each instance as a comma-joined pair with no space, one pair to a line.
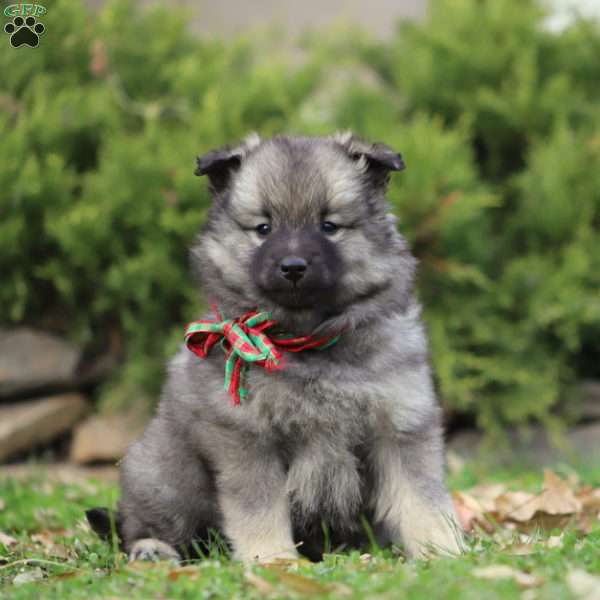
376,378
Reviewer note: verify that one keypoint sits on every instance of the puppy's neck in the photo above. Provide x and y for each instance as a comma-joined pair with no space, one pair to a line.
353,318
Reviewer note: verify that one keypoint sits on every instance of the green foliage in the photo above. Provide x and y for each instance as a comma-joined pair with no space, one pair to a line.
495,114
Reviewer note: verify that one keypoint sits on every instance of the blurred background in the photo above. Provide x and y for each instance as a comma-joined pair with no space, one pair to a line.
494,104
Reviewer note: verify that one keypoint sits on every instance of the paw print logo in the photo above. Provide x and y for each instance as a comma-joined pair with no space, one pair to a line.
24,32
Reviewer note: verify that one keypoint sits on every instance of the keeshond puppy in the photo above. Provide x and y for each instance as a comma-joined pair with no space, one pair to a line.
341,440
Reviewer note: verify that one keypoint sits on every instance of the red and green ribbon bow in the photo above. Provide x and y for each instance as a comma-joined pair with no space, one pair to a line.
245,342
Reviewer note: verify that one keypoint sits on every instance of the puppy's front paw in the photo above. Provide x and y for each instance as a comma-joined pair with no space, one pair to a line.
150,549
434,535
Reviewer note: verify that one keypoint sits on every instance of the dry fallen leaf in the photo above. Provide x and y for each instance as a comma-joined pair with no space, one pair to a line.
470,512
7,541
189,571
584,585
262,585
499,512
557,497
287,563
340,589
67,575
516,506
524,580
590,499
554,507
303,585
293,581
528,580
486,495
585,523
47,540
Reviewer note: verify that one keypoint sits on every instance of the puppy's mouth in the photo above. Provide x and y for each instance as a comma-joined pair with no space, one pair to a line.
296,296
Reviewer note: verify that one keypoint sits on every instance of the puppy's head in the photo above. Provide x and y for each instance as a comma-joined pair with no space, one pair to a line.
300,227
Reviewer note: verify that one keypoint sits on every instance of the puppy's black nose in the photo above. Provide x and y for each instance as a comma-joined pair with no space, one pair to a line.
293,268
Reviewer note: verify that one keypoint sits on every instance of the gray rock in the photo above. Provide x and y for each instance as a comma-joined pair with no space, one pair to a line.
103,438
532,448
27,424
31,360
589,406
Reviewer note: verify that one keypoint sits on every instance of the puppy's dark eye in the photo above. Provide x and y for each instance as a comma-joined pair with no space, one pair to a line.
263,229
328,227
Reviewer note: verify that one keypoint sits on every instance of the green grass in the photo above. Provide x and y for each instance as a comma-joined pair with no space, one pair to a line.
80,566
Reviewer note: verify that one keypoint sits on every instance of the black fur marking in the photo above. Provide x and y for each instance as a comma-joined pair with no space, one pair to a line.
104,522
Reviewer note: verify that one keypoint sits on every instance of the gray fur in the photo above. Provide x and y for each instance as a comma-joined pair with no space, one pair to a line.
350,430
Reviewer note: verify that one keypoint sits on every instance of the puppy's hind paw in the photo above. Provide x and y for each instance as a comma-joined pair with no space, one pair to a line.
150,549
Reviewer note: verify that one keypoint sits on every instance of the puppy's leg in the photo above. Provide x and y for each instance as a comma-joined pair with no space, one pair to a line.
412,502
251,485
167,494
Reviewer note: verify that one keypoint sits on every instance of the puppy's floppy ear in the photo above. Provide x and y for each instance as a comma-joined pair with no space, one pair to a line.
376,159
219,164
